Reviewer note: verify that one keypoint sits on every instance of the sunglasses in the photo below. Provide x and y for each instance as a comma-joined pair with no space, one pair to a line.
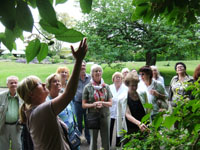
142,74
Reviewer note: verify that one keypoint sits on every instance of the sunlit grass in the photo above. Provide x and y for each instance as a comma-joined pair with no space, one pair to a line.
43,70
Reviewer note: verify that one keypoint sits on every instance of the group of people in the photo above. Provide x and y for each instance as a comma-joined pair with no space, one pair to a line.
64,101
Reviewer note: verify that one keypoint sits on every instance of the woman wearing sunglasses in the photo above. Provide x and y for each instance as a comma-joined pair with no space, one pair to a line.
45,128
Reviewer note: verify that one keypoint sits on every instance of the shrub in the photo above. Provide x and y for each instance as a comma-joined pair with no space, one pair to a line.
162,135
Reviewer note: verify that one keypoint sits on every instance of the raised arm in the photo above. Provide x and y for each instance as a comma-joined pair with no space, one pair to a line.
60,102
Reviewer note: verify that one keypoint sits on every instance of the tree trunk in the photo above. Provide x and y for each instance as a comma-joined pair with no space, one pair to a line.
150,58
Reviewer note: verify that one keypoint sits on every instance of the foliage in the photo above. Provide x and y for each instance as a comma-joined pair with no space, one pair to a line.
115,37
162,135
17,17
174,11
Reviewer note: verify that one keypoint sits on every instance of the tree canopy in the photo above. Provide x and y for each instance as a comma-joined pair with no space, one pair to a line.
17,17
113,37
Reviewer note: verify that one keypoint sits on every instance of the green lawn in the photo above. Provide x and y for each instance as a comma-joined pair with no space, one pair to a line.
43,70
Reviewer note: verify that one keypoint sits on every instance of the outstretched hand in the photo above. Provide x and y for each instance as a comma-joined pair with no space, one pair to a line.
82,50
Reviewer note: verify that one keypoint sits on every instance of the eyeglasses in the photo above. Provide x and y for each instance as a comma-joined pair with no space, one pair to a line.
142,74
38,83
180,67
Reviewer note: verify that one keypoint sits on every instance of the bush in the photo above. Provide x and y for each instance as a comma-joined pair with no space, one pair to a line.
186,136
55,59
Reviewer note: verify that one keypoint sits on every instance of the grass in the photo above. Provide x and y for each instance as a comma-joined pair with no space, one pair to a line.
44,70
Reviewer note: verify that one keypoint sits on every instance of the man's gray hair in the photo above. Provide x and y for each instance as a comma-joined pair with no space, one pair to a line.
10,78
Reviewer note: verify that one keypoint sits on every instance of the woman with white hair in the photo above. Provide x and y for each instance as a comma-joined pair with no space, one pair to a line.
97,97
119,91
157,76
124,72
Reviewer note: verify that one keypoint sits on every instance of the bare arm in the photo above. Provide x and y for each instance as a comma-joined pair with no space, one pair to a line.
142,126
108,103
60,102
98,104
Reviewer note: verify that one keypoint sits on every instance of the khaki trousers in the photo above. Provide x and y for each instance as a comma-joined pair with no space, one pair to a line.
104,132
10,134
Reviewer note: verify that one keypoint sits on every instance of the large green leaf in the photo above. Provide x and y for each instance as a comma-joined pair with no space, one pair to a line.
145,118
60,1
169,121
32,50
51,29
9,39
157,121
7,13
43,52
24,17
70,35
47,11
86,5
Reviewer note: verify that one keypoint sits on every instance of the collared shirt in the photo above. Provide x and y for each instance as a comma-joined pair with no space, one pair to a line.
81,85
12,113
177,87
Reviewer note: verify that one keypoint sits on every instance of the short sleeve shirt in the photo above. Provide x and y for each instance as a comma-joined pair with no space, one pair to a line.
88,95
45,128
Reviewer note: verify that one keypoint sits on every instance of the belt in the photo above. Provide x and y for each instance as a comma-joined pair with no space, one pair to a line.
13,123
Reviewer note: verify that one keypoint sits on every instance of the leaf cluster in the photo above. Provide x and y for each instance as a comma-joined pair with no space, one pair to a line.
17,17
163,135
173,11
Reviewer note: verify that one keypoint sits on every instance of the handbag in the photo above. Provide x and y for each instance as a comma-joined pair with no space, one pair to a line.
93,120
162,104
74,138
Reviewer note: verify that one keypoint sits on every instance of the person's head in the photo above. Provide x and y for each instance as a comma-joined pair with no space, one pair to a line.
196,73
12,82
53,83
131,81
155,72
145,73
133,70
124,72
32,91
180,68
64,73
83,67
96,72
117,78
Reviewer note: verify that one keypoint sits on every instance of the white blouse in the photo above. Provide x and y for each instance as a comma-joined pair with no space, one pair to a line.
119,95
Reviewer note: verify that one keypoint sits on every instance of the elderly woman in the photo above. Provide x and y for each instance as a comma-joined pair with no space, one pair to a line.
119,92
53,84
156,92
45,128
178,83
124,72
97,97
157,76
134,104
196,74
64,73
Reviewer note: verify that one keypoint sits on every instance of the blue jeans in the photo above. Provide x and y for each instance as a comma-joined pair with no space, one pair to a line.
80,115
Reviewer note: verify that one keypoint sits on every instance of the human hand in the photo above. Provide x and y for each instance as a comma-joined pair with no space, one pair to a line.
154,93
98,104
143,127
81,51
